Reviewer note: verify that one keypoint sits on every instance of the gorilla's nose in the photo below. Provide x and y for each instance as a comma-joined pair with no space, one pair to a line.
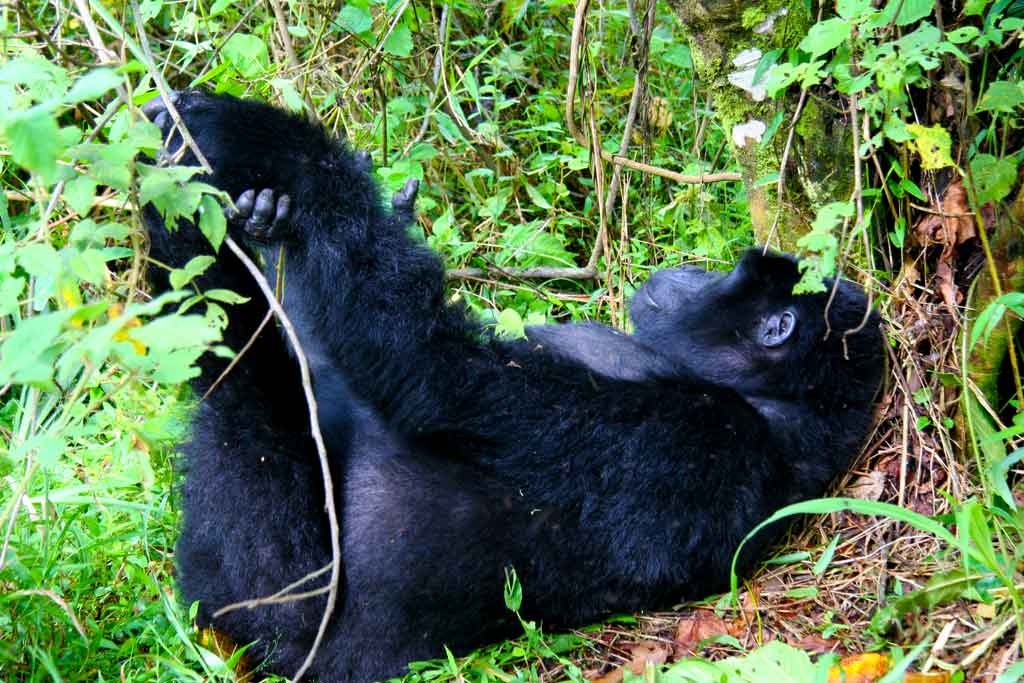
155,106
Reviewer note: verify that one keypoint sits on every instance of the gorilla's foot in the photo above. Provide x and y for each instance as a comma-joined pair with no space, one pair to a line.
263,216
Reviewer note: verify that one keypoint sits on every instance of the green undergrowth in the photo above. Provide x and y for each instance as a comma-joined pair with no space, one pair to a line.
470,100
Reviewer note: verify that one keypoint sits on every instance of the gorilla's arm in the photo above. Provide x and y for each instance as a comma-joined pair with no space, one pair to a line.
604,350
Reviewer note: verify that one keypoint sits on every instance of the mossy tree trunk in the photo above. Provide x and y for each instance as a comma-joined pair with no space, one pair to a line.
727,39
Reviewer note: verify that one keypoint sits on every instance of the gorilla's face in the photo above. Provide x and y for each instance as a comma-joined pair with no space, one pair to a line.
745,328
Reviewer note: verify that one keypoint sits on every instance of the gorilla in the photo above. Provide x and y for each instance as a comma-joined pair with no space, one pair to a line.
613,472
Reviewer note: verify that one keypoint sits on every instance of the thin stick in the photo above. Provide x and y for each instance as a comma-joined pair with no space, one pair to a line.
321,449
578,28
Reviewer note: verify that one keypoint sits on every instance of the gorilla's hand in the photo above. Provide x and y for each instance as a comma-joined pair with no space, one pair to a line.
263,216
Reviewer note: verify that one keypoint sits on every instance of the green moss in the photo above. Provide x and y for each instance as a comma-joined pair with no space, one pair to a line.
752,16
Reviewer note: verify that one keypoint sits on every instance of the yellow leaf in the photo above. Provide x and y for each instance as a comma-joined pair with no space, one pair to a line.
865,668
933,144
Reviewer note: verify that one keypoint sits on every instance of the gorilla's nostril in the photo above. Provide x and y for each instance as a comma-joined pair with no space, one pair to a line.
156,105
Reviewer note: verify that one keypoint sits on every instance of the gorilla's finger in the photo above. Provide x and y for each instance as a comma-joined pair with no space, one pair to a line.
156,105
284,205
162,120
244,203
264,210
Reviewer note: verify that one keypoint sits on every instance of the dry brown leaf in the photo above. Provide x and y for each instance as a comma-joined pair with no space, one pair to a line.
867,487
815,643
645,651
865,668
698,626
951,225
944,276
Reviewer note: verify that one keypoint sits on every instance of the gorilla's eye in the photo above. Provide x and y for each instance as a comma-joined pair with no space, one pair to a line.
777,328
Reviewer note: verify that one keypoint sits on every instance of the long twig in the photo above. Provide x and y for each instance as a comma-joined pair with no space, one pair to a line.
143,52
578,28
639,87
289,51
321,448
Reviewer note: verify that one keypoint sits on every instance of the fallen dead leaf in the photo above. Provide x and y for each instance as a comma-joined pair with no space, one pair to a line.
944,276
815,644
865,668
867,487
641,653
698,626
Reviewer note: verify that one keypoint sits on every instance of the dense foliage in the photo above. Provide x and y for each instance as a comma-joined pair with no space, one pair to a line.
471,99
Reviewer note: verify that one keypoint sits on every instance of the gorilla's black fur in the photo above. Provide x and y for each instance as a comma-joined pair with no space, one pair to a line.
614,472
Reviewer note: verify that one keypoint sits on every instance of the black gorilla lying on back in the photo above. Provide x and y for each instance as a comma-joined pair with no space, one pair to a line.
613,472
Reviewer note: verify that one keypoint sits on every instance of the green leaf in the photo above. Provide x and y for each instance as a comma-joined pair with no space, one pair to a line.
1002,96
510,325
826,36
853,9
39,259
933,144
211,221
196,266
225,296
993,178
92,86
35,141
909,11
355,19
10,289
291,97
536,197
248,53
79,193
826,557
89,265
962,34
973,8
399,43
26,355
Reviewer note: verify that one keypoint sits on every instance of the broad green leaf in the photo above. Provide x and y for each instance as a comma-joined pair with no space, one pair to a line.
196,266
962,34
933,144
826,36
39,259
973,8
536,197
92,85
26,355
510,325
908,11
248,53
993,178
399,43
79,194
89,265
211,221
1002,96
291,97
853,9
10,291
355,19
35,140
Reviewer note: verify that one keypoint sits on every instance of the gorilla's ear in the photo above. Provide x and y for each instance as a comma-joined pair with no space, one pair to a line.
777,327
